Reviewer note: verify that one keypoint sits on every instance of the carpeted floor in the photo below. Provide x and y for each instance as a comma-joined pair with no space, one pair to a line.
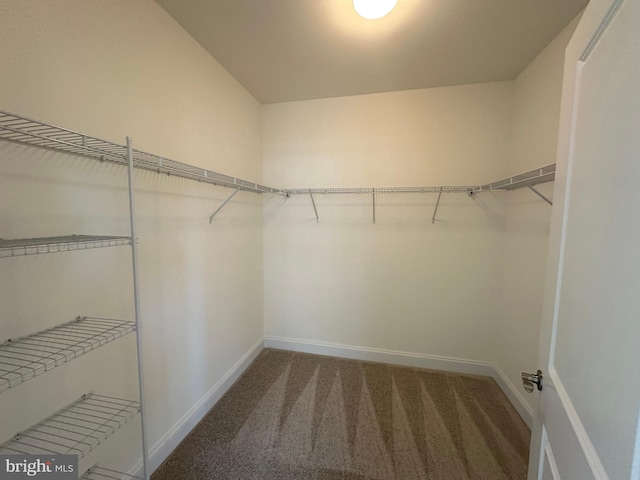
300,416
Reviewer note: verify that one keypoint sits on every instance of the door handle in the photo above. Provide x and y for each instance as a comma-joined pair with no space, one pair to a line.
528,379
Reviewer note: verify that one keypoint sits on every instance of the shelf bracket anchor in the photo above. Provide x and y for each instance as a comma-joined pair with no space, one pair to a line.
313,202
374,204
540,195
435,210
222,206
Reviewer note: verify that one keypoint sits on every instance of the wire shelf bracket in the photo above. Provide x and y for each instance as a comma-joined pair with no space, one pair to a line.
373,198
76,429
223,205
24,358
543,197
315,210
435,210
35,246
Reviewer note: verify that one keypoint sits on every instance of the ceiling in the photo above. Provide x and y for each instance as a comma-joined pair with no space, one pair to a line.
285,50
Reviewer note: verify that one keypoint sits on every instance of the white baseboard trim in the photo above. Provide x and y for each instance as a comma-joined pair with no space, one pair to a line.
408,359
514,395
170,440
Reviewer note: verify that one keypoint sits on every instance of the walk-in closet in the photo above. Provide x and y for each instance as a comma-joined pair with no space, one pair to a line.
273,240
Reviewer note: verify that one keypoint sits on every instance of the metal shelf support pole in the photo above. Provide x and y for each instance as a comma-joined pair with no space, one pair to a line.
435,210
138,317
374,205
313,202
540,195
222,206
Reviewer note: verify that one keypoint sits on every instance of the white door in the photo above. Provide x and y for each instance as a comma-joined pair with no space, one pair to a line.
588,421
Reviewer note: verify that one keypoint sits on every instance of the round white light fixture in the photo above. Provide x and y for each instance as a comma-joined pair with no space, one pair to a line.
373,9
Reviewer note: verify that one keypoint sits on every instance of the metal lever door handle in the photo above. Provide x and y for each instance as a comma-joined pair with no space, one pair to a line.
528,379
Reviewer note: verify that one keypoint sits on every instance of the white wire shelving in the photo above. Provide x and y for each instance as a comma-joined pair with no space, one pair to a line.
24,130
76,429
16,128
522,180
24,358
527,179
101,473
371,190
84,424
35,246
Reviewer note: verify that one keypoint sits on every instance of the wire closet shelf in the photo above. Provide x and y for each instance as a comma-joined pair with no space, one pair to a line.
101,473
76,429
522,180
24,358
372,190
16,128
23,130
68,243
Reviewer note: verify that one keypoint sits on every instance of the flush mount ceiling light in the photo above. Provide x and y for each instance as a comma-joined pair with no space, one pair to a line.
373,9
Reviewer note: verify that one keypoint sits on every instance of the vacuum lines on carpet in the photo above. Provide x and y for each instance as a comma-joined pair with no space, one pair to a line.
301,416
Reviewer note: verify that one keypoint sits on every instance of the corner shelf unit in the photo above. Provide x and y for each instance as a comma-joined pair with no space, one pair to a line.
76,429
24,358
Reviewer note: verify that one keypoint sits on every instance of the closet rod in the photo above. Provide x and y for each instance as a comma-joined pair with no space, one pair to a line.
16,128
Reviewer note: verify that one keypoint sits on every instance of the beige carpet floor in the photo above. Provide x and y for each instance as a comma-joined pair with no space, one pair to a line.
300,416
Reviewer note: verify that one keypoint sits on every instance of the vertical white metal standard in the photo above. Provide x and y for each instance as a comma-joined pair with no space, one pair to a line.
540,195
314,206
435,210
138,317
222,206
374,205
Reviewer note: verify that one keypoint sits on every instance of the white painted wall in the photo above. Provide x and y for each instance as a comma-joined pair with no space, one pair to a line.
112,69
468,287
402,284
537,92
